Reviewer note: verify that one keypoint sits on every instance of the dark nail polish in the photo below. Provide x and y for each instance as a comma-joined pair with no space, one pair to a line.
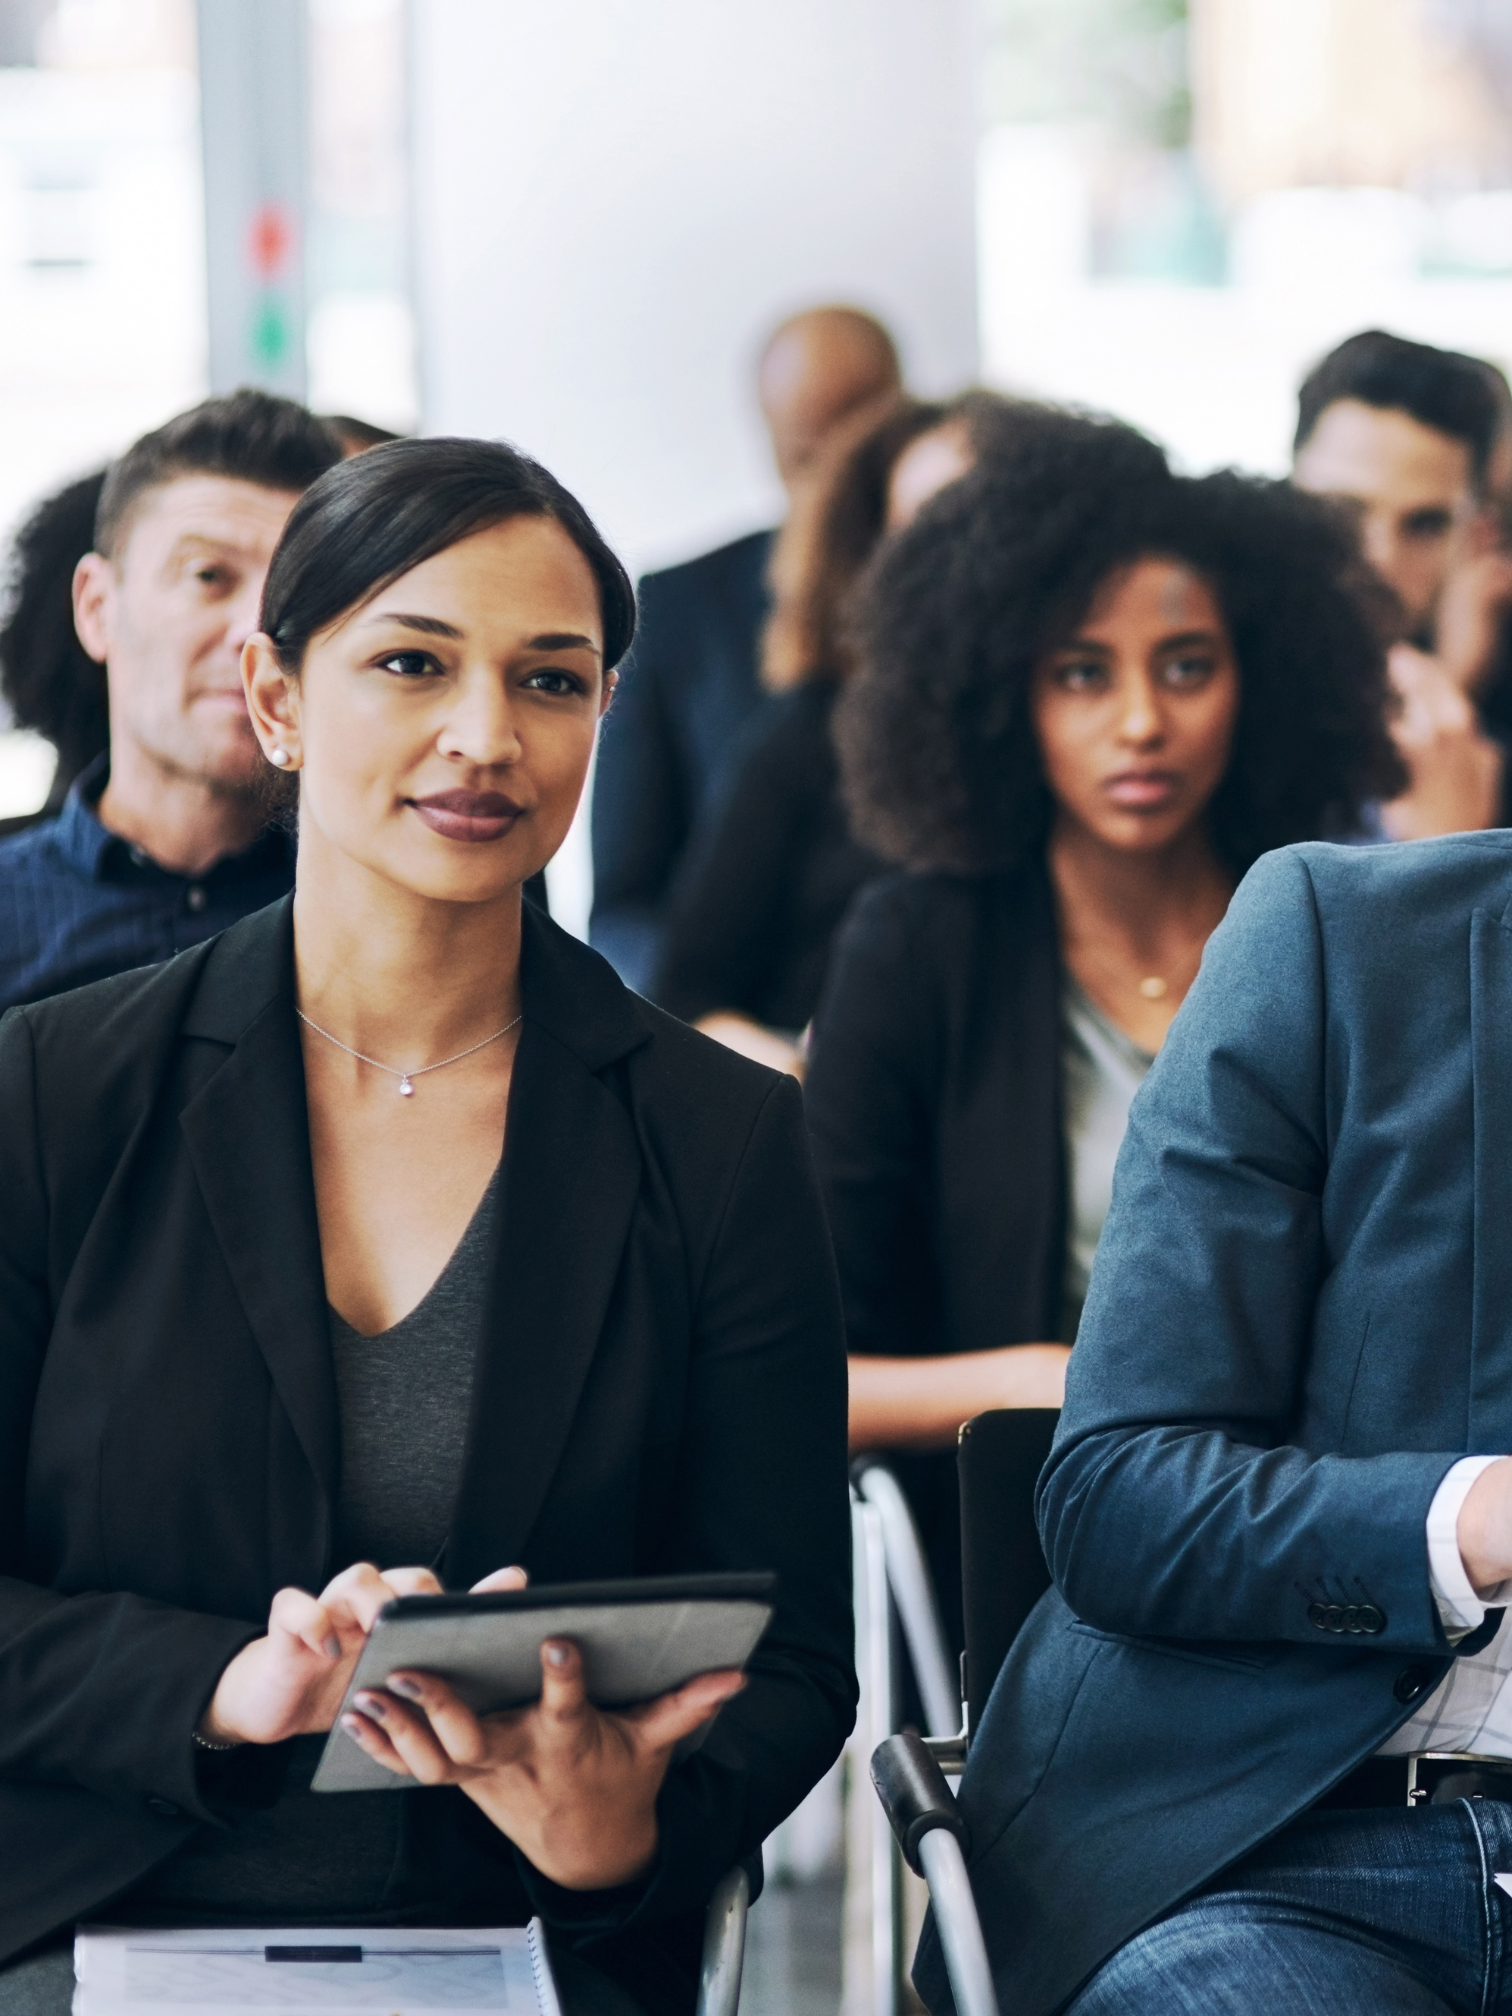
371,1704
406,1689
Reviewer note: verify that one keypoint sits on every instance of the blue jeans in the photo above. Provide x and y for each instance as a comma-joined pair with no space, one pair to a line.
1353,1913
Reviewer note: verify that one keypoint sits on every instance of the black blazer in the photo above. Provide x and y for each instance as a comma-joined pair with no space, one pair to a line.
934,1104
771,877
686,691
661,1389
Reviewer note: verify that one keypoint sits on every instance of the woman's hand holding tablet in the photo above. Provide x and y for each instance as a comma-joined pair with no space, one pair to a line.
292,1681
572,1785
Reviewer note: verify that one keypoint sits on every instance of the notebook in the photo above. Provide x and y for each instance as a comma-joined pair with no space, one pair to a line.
308,1970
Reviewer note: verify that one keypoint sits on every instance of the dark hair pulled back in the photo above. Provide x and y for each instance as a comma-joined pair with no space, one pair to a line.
373,518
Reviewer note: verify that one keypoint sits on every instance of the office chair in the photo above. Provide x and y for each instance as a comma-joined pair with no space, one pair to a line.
1003,1575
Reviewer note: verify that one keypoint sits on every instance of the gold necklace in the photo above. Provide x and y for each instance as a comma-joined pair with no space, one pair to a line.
1149,986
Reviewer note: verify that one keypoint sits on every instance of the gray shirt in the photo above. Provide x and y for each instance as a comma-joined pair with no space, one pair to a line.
1102,1069
404,1400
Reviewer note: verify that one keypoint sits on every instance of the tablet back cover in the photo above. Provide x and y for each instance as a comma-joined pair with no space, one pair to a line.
631,1652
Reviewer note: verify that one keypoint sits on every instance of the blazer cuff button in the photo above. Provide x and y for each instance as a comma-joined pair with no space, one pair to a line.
1354,1620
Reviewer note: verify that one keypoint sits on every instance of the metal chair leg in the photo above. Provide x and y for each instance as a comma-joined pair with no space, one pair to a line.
871,1858
959,1926
912,1589
724,1946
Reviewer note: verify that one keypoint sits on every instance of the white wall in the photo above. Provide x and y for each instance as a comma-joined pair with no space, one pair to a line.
616,198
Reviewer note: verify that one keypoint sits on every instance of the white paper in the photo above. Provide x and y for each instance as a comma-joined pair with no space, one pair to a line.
308,1970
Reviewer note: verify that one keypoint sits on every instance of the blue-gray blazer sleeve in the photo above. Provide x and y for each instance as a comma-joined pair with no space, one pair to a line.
1175,1503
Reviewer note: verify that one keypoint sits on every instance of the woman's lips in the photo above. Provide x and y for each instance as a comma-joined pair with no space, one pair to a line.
1142,790
468,815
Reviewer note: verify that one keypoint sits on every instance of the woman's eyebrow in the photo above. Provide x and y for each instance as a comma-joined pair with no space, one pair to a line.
562,640
1188,637
429,626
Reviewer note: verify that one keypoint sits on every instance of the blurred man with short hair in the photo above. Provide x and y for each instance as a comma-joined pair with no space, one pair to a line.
691,685
161,842
1408,437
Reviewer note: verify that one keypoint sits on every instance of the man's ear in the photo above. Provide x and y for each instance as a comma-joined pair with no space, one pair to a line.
93,587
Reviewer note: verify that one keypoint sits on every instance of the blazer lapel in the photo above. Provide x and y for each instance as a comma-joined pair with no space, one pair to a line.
1490,1421
249,1139
571,1178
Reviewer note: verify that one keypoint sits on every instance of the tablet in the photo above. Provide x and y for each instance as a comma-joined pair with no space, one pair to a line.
638,1639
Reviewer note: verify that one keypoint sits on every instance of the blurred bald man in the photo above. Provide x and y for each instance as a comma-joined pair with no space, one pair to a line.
691,685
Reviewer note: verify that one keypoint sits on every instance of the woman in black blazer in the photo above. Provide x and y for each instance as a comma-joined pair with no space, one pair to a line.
1092,694
281,1333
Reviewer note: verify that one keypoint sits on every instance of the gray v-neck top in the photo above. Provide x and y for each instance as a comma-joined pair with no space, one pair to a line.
404,1397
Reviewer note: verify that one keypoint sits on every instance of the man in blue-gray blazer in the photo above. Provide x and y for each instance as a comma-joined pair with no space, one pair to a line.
1278,1510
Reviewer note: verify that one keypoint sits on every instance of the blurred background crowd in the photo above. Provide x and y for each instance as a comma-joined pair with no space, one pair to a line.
575,227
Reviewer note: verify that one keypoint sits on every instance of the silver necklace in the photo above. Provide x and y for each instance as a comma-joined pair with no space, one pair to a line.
407,1078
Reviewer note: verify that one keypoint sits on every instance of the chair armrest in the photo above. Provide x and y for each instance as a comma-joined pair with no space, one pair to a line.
914,1795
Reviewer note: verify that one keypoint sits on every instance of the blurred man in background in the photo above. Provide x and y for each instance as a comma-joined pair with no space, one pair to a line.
1411,438
691,684
161,841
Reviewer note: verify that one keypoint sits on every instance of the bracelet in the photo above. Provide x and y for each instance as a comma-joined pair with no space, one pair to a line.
204,1743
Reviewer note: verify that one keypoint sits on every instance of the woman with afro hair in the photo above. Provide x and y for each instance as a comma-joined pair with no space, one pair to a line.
1091,694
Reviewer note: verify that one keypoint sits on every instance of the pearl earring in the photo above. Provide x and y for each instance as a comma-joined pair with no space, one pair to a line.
278,754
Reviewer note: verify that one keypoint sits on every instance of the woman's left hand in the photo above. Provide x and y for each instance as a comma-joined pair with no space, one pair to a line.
573,1786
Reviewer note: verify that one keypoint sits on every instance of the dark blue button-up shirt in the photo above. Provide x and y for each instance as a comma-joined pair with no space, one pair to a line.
78,903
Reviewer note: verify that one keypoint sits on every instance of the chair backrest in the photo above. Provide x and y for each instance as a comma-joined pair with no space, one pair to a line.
1003,1573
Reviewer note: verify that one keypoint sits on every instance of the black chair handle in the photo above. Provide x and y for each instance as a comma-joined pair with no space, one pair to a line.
914,1795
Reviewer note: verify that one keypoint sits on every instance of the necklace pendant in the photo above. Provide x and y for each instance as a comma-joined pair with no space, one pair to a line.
406,1089
1154,988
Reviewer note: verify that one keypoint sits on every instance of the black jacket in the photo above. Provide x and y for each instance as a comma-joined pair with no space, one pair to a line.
686,691
661,1389
771,878
934,1104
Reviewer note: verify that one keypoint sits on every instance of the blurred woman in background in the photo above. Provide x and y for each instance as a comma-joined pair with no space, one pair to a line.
778,866
1091,695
